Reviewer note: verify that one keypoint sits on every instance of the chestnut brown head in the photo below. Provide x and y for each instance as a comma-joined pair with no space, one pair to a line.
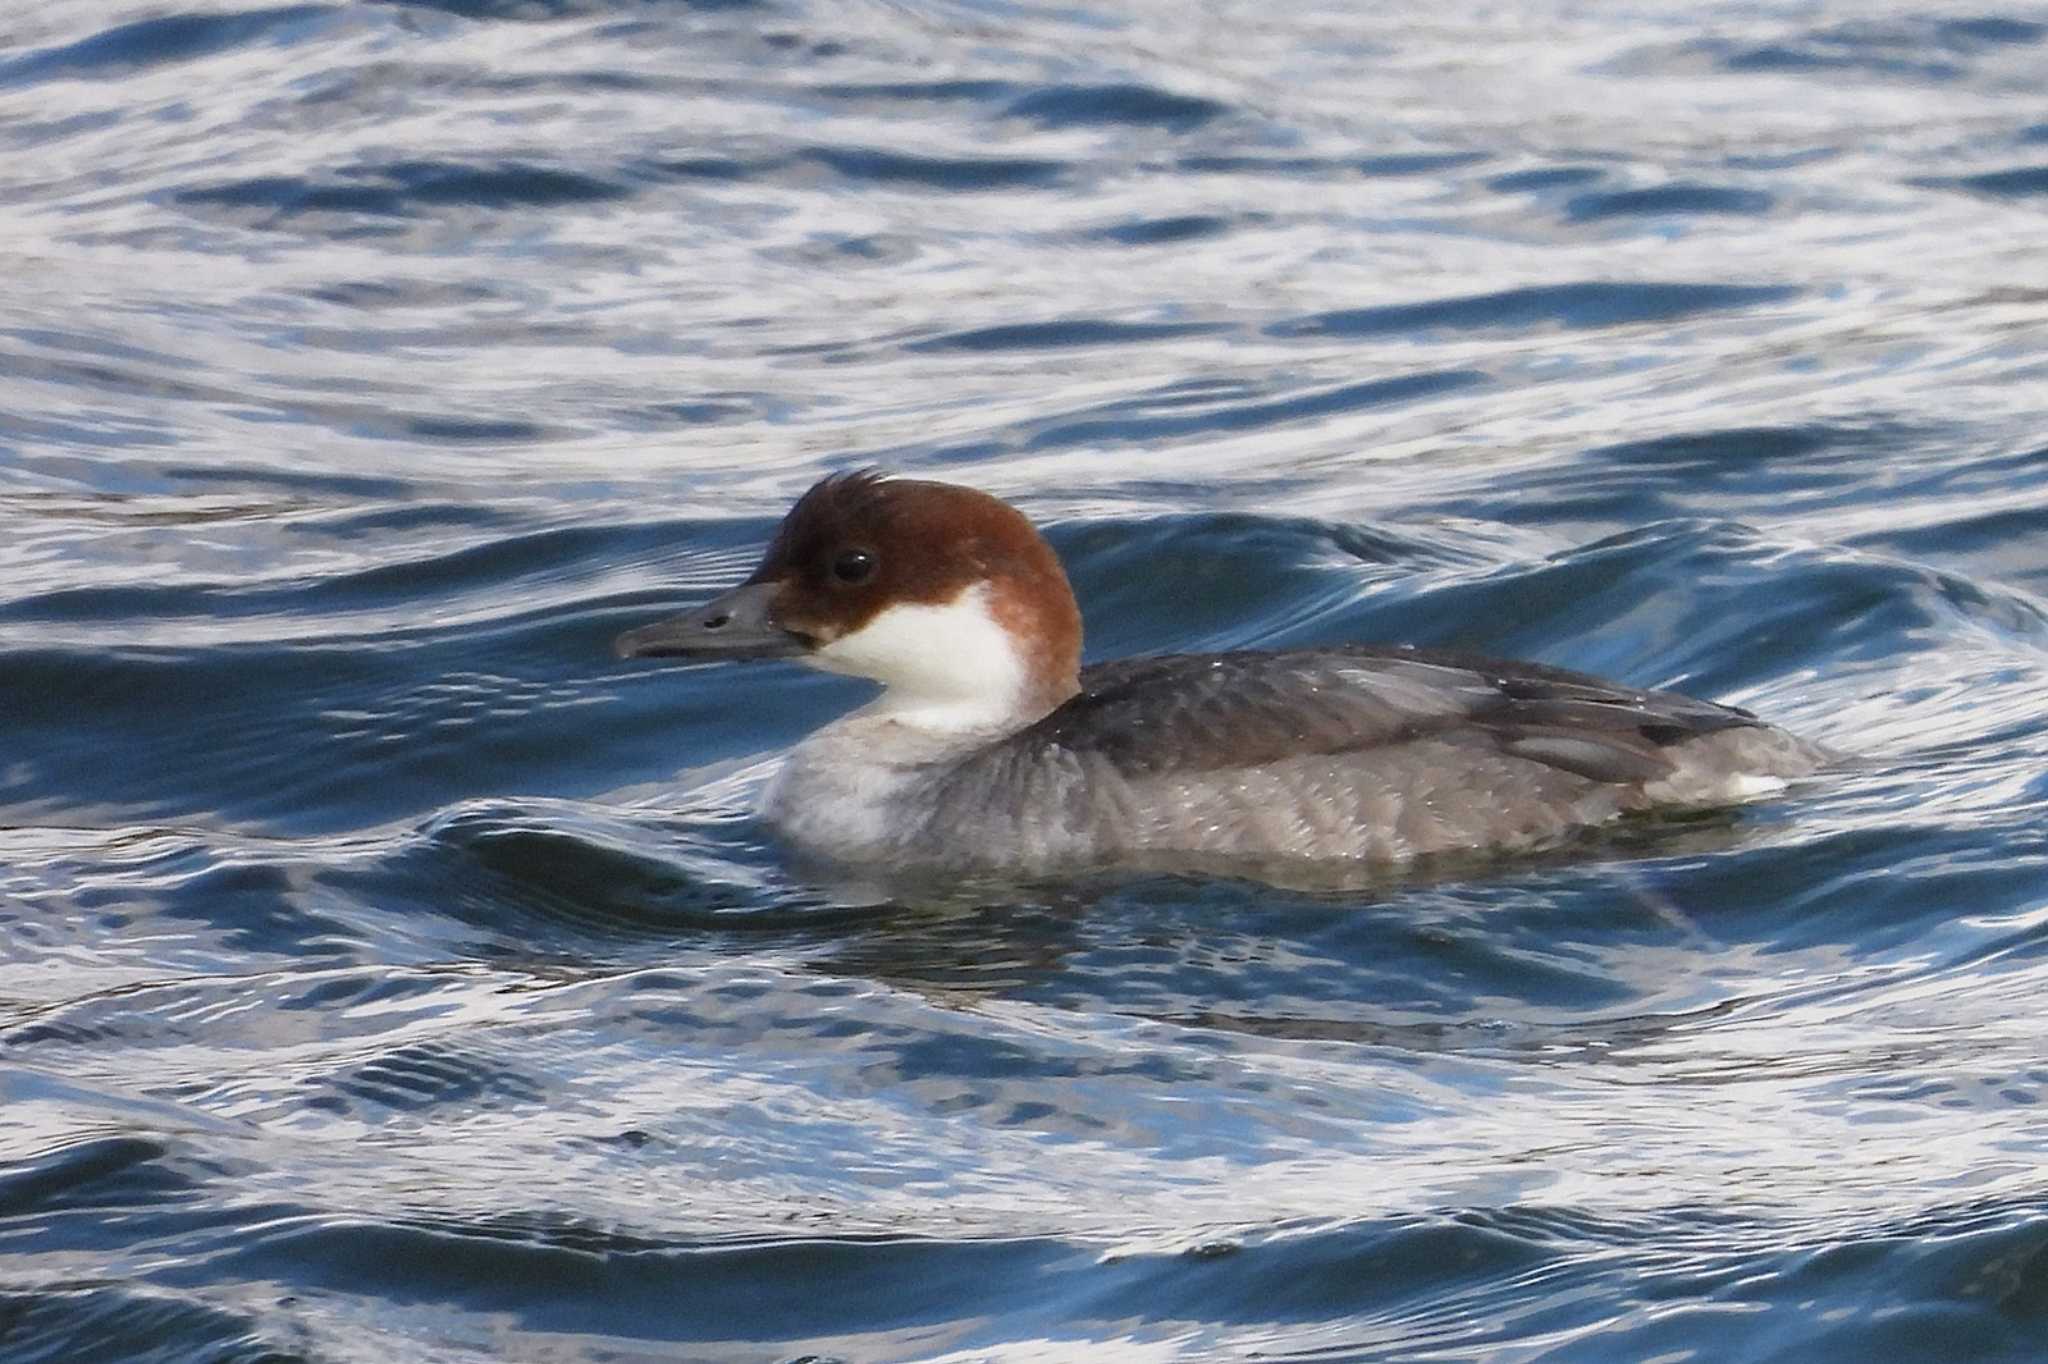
945,594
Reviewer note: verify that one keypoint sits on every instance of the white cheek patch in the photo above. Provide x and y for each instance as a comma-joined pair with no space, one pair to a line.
949,666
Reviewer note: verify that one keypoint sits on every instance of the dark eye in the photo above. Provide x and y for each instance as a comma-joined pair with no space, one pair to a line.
854,566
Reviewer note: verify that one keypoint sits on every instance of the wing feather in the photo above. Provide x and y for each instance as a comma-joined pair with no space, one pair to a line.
1215,712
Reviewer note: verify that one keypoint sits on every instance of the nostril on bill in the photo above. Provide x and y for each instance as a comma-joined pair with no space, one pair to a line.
717,622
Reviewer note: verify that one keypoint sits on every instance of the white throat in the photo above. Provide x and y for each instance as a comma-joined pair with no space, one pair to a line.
950,668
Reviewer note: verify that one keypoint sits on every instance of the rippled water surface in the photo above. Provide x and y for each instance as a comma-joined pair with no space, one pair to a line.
388,974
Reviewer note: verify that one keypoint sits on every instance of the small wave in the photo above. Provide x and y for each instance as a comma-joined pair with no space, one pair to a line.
400,190
1541,178
954,173
1588,304
1165,231
1064,333
1066,106
1912,48
1669,201
546,11
1101,428
2016,183
82,1318
164,41
1390,164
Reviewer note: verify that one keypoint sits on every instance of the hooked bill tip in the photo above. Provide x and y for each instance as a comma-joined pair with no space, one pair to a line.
628,643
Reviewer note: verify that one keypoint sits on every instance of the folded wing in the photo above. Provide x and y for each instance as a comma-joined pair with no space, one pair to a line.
1191,713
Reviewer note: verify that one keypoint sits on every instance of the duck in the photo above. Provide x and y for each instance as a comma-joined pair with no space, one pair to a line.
991,747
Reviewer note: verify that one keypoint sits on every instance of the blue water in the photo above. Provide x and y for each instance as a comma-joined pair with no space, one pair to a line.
389,974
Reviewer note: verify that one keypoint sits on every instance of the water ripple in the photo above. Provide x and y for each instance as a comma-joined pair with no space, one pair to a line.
1587,304
164,41
390,971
